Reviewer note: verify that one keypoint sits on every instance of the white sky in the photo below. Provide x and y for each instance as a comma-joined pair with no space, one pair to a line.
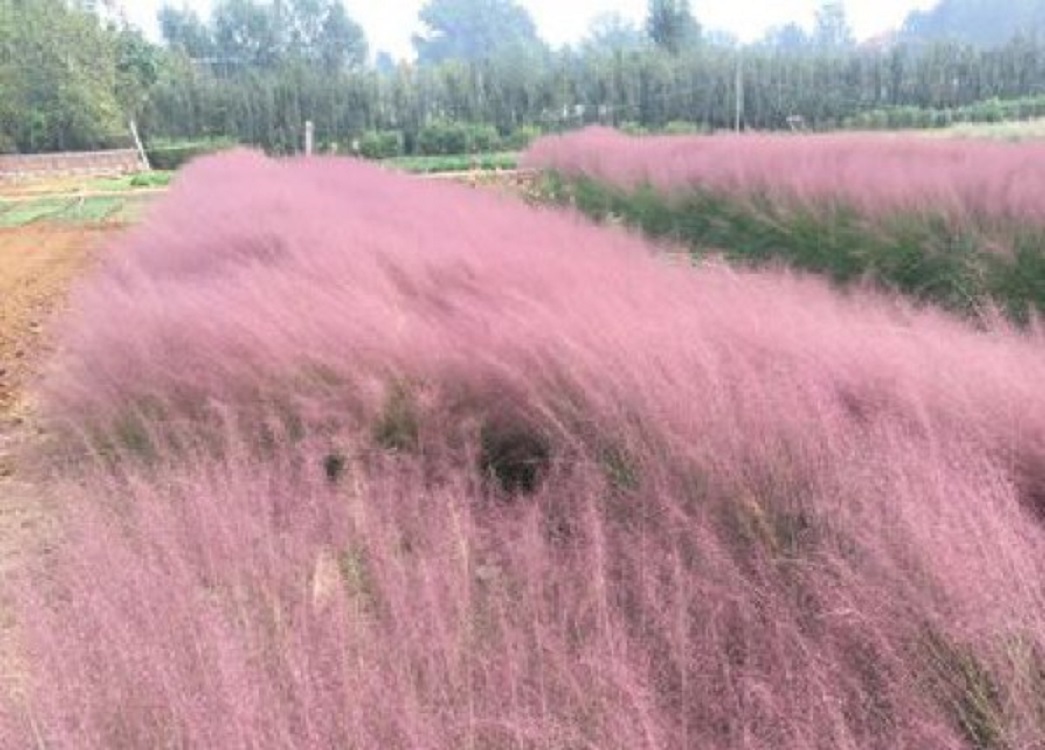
389,23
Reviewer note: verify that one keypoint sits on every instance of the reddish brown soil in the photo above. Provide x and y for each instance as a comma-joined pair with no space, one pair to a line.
37,267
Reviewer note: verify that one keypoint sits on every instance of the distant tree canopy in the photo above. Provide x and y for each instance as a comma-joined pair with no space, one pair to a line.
471,30
612,32
981,22
671,25
255,70
790,38
183,30
66,81
265,34
832,30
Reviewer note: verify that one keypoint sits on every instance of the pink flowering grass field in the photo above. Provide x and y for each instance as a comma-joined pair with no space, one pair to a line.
346,460
957,223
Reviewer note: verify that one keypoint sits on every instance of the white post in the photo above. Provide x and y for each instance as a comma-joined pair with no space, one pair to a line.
310,137
138,145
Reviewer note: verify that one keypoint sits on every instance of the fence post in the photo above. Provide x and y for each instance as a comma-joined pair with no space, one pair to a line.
310,137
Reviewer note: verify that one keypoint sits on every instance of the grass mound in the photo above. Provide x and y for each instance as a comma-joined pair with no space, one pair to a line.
356,461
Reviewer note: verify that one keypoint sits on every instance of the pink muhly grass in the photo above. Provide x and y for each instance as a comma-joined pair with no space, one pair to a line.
877,174
360,461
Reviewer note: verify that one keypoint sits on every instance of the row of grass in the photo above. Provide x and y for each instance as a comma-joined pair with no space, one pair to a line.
458,163
963,267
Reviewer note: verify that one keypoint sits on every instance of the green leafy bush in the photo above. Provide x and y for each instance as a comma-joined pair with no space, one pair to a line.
170,155
450,138
153,179
682,127
521,138
633,128
381,144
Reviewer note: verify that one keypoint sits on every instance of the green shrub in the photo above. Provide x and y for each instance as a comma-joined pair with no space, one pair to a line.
483,138
441,139
151,179
521,138
682,127
450,138
381,144
455,163
632,128
170,155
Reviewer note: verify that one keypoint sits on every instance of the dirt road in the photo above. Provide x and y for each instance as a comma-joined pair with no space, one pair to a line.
37,267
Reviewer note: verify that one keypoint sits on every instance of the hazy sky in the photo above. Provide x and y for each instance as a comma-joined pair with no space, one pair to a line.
389,23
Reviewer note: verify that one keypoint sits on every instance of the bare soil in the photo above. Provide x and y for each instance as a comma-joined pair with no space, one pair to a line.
37,267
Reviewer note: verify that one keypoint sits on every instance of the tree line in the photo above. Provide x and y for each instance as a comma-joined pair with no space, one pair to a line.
71,76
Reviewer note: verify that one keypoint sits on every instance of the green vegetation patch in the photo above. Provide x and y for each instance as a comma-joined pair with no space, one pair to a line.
153,179
131,209
459,163
90,210
23,213
925,256
65,210
169,155
966,690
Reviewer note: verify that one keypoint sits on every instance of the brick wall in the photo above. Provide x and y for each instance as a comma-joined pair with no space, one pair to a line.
18,166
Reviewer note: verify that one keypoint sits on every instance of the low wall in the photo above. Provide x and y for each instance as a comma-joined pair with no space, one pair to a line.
20,166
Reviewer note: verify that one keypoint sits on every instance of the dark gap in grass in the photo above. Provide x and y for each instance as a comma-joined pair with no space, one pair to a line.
514,456
398,426
334,465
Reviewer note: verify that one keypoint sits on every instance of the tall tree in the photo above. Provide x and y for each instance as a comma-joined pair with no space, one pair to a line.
137,70
612,32
671,25
473,30
182,29
832,30
320,31
789,38
247,32
58,77
983,22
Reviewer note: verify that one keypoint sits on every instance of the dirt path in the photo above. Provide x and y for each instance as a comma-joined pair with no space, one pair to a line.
37,264
37,267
